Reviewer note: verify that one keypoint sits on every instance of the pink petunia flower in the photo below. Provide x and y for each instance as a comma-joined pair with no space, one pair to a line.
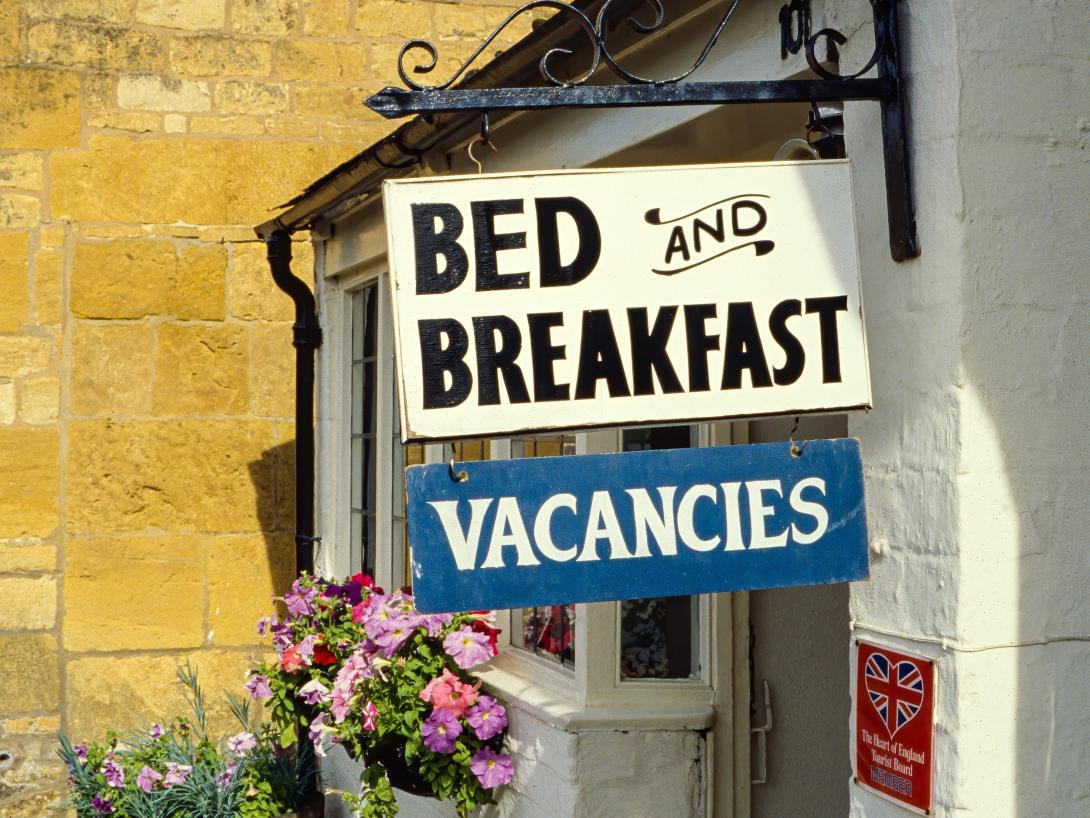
492,769
147,777
448,692
467,647
487,718
370,716
290,660
223,780
440,731
242,743
176,774
316,732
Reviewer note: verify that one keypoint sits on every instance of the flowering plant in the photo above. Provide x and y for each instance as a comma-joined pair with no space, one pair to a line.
177,771
361,668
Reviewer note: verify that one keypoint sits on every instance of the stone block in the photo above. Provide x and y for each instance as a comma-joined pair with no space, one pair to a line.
94,45
109,11
291,127
118,691
111,369
14,283
30,603
133,278
48,270
30,725
214,56
187,180
243,574
249,97
30,680
154,585
51,236
28,483
201,370
131,121
194,15
189,475
22,354
329,102
272,371
320,61
19,556
39,108
39,401
153,93
271,17
174,123
25,171
251,292
7,403
393,18
19,210
360,135
232,125
10,27
326,16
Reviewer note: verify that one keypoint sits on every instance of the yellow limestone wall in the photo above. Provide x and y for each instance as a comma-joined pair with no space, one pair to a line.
145,355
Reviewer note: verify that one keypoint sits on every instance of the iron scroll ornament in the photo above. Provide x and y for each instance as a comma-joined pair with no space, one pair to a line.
886,86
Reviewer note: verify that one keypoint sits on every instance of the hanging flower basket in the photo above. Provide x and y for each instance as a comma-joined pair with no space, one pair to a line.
365,669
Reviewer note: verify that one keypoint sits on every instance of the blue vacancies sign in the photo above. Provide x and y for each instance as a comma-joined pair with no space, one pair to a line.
547,531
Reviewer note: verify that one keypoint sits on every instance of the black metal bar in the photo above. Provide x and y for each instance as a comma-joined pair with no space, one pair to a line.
394,103
306,337
900,204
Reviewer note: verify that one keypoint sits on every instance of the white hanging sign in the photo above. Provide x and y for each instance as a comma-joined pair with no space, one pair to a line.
568,299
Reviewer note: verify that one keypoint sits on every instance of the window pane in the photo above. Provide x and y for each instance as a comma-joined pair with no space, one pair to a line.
659,637
363,497
549,630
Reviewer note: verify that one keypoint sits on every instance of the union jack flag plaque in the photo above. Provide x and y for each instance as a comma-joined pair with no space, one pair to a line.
894,725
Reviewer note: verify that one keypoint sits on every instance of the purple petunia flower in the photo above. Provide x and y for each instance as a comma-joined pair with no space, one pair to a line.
147,777
440,730
115,776
176,774
156,730
103,806
492,769
467,647
434,623
316,732
259,688
400,629
80,751
487,717
241,743
314,692
350,592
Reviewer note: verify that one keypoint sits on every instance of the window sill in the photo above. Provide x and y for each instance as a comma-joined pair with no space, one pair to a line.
552,698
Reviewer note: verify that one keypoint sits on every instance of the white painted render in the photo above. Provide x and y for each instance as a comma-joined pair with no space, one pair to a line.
977,451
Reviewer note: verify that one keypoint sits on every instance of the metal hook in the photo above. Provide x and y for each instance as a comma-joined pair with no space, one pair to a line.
455,475
485,133
796,449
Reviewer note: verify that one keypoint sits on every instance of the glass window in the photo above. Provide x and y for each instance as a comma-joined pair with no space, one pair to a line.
659,637
547,631
364,395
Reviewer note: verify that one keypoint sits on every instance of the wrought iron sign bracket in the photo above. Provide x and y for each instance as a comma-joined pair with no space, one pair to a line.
886,86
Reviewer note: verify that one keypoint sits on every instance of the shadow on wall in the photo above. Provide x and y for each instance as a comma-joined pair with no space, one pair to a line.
275,506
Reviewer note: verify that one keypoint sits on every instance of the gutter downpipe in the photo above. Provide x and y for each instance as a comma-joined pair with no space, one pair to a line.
306,338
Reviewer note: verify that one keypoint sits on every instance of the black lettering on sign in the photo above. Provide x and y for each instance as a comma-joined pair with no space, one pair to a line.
553,273
543,353
743,348
649,351
430,244
439,360
677,245
753,229
826,309
792,368
488,243
719,233
699,344
493,361
599,358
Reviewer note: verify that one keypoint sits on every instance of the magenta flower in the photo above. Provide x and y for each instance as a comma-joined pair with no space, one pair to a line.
440,730
314,692
147,777
241,743
467,647
176,774
487,718
259,688
103,806
492,769
156,730
370,715
81,751
115,776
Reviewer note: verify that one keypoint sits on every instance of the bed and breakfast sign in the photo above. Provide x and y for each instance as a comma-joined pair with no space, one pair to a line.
575,299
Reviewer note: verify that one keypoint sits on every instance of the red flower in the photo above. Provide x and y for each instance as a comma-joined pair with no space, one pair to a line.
480,626
362,580
290,660
322,656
